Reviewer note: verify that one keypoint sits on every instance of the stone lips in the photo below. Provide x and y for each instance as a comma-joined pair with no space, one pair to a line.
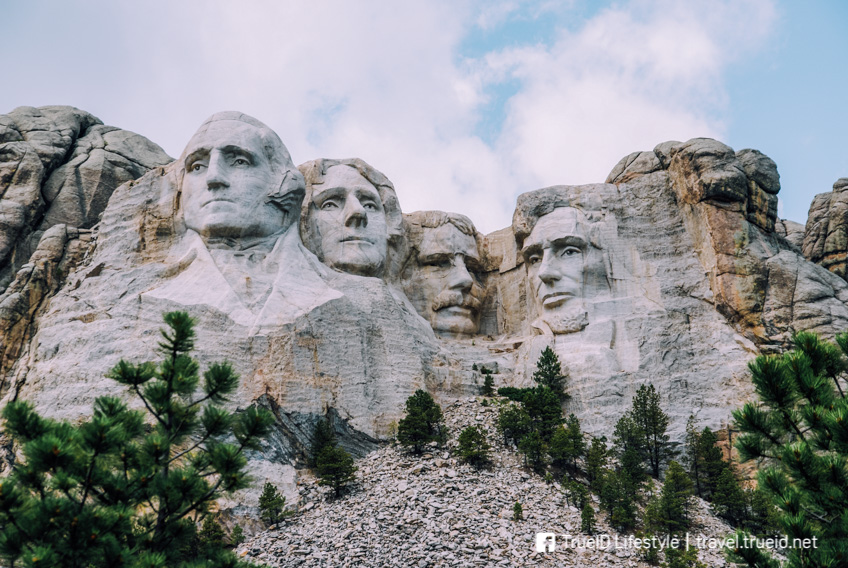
686,275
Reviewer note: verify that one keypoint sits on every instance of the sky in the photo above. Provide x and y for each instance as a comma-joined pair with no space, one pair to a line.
463,104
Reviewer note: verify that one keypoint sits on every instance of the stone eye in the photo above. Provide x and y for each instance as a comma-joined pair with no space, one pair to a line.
241,162
329,204
196,167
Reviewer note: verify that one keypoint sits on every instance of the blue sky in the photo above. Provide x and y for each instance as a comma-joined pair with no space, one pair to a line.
463,104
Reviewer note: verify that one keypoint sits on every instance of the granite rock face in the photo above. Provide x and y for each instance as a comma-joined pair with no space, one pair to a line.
330,302
826,234
58,168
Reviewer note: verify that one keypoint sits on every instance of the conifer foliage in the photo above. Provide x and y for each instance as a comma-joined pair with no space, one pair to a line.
799,429
272,505
322,436
473,447
549,373
651,422
112,492
423,423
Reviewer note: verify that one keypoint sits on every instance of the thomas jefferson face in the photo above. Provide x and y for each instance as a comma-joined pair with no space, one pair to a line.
442,287
227,181
350,221
553,254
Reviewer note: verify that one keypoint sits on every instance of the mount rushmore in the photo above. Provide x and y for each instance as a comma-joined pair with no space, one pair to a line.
330,301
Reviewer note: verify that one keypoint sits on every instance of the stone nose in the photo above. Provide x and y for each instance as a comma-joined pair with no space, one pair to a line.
216,176
548,271
354,213
459,277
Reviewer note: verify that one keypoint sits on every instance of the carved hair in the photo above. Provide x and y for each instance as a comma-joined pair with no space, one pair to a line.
435,219
533,205
288,189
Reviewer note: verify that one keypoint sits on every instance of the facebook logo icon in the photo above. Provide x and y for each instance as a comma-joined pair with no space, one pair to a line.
545,542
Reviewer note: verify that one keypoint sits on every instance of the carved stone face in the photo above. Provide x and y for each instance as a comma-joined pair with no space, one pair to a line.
442,286
349,218
554,256
226,183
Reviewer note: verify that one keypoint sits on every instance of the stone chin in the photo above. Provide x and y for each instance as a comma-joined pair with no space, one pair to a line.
570,319
455,319
360,258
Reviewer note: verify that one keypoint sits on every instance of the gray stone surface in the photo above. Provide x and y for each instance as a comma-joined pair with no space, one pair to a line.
351,218
59,165
826,233
442,274
675,271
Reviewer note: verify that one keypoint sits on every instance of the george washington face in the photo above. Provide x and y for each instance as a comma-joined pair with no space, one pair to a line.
227,181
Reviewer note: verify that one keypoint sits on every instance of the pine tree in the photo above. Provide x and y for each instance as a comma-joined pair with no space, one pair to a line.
513,422
674,500
597,457
237,536
517,512
692,454
619,497
335,468
549,373
728,499
712,462
488,382
423,423
473,447
210,537
545,411
682,557
629,440
653,423
799,428
272,505
587,519
763,519
323,435
110,491
567,445
577,491
533,448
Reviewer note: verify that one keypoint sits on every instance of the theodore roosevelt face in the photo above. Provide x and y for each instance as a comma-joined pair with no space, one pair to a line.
350,221
227,181
443,288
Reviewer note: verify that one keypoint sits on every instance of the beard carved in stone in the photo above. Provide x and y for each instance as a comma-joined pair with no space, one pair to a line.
554,255
440,278
232,187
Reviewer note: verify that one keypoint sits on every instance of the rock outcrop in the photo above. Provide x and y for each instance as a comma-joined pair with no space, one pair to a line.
58,169
826,234
330,302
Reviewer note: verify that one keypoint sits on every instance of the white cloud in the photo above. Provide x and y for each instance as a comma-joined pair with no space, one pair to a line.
384,81
632,77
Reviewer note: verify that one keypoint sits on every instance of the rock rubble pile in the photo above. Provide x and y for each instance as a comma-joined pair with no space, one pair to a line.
431,511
